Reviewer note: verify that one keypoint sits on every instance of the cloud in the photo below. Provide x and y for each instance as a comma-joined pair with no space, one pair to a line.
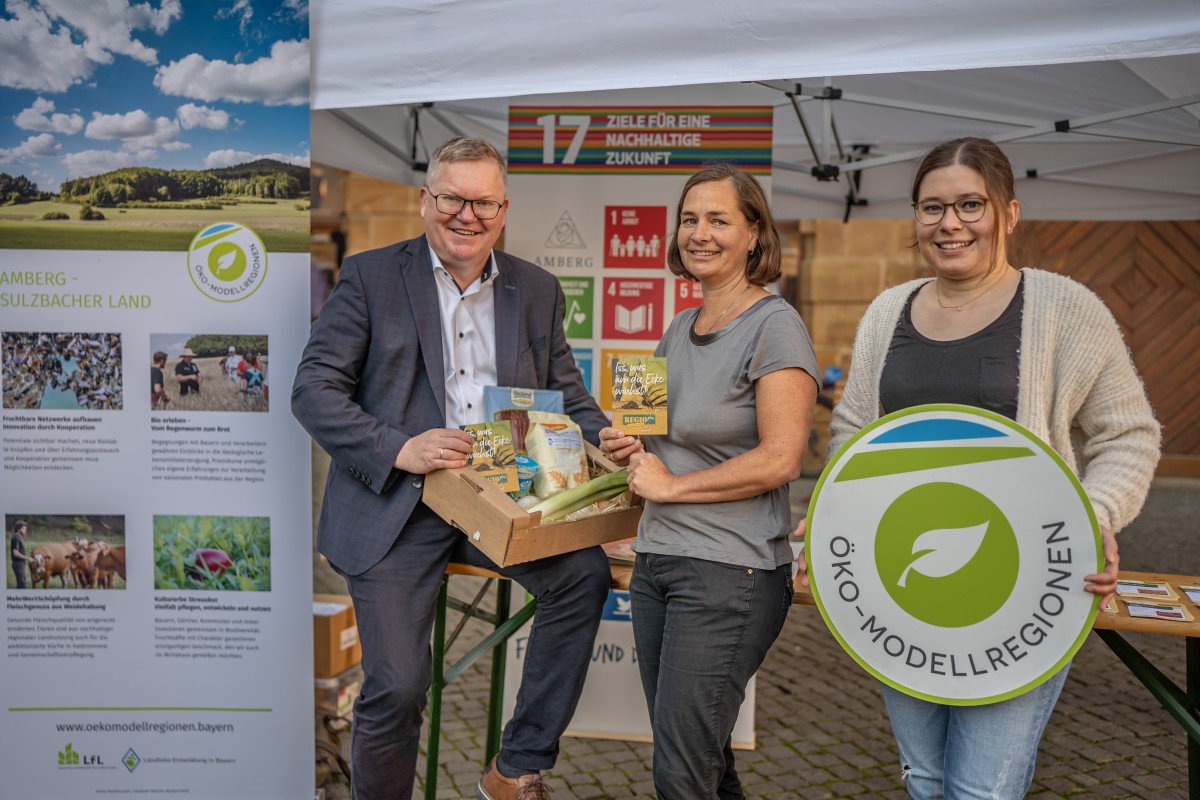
297,9
95,162
241,9
107,25
33,57
194,116
40,47
280,79
40,146
229,158
38,117
45,181
136,130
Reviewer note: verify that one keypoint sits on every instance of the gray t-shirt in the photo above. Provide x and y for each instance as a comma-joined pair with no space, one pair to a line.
711,418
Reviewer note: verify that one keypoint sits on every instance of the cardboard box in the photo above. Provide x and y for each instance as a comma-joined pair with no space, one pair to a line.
335,696
335,635
505,532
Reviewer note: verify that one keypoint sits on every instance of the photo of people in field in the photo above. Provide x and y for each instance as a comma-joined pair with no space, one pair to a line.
62,371
205,553
65,551
208,372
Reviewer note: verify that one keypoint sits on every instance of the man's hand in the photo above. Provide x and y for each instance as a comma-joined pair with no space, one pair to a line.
1105,583
437,448
649,478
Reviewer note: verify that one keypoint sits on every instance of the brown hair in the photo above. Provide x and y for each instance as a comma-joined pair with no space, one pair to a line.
159,358
465,148
986,158
764,265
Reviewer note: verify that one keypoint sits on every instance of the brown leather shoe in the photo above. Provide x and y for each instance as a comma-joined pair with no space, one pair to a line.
494,786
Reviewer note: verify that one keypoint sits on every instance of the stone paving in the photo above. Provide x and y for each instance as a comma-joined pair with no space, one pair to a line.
822,731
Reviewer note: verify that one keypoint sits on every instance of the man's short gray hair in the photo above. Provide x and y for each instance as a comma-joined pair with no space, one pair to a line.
465,148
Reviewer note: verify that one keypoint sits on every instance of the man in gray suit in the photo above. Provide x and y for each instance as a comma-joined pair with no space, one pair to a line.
395,364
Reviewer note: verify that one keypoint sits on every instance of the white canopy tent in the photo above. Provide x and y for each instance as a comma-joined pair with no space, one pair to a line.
1096,103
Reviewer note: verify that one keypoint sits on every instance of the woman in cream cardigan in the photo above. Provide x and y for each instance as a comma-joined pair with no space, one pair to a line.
1034,346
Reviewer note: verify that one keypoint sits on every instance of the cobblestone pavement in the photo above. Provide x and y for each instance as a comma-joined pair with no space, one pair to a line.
822,730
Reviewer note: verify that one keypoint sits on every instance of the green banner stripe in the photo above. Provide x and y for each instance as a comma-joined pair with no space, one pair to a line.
147,708
891,462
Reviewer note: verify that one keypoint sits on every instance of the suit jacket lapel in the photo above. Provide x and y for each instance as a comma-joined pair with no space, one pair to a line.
508,322
417,273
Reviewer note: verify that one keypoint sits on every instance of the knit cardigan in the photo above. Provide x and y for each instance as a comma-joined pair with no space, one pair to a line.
1078,389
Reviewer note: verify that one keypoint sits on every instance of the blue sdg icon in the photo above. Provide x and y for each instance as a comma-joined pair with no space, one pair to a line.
947,547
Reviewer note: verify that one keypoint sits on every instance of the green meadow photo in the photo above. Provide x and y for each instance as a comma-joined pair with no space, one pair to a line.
153,209
139,145
206,553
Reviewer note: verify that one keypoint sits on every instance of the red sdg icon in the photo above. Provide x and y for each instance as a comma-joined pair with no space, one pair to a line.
635,236
633,308
688,294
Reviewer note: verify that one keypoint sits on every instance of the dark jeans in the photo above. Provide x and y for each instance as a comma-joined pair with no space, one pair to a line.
20,574
394,602
702,629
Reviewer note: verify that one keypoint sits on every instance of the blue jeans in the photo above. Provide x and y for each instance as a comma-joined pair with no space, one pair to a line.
702,629
394,602
986,752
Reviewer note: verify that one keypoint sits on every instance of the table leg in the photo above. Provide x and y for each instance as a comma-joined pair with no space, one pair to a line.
436,685
1193,691
499,659
1179,704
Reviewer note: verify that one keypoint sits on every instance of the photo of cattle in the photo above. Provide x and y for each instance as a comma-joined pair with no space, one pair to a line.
231,554
64,551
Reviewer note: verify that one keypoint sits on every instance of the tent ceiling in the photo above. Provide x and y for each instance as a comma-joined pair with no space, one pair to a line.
1141,165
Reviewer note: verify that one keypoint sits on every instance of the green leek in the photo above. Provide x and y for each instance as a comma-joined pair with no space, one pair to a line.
568,502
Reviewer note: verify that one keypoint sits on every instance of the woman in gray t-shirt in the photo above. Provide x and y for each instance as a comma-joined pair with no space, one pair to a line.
712,583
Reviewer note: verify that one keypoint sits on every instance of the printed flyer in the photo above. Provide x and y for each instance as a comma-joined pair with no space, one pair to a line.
154,286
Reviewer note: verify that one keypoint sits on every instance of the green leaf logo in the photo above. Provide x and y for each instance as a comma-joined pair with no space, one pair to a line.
227,261
944,551
67,756
946,554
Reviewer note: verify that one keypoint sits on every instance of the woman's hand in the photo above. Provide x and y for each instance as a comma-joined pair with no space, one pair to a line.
801,562
1105,583
618,446
649,478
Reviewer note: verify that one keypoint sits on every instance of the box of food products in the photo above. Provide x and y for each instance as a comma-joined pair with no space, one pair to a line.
508,534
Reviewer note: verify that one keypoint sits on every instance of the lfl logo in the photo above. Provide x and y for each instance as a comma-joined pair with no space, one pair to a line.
70,757
947,547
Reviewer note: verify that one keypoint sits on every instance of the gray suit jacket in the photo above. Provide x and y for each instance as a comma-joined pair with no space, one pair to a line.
371,378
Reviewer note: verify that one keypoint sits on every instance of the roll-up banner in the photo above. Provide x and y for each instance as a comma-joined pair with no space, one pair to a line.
593,191
154,289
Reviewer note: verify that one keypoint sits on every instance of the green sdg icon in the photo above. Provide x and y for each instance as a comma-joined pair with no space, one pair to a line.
947,555
227,261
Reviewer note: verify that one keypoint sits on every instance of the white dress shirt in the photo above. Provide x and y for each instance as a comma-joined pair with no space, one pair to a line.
468,341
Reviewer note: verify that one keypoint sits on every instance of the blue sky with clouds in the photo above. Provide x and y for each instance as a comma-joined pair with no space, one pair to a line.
88,86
